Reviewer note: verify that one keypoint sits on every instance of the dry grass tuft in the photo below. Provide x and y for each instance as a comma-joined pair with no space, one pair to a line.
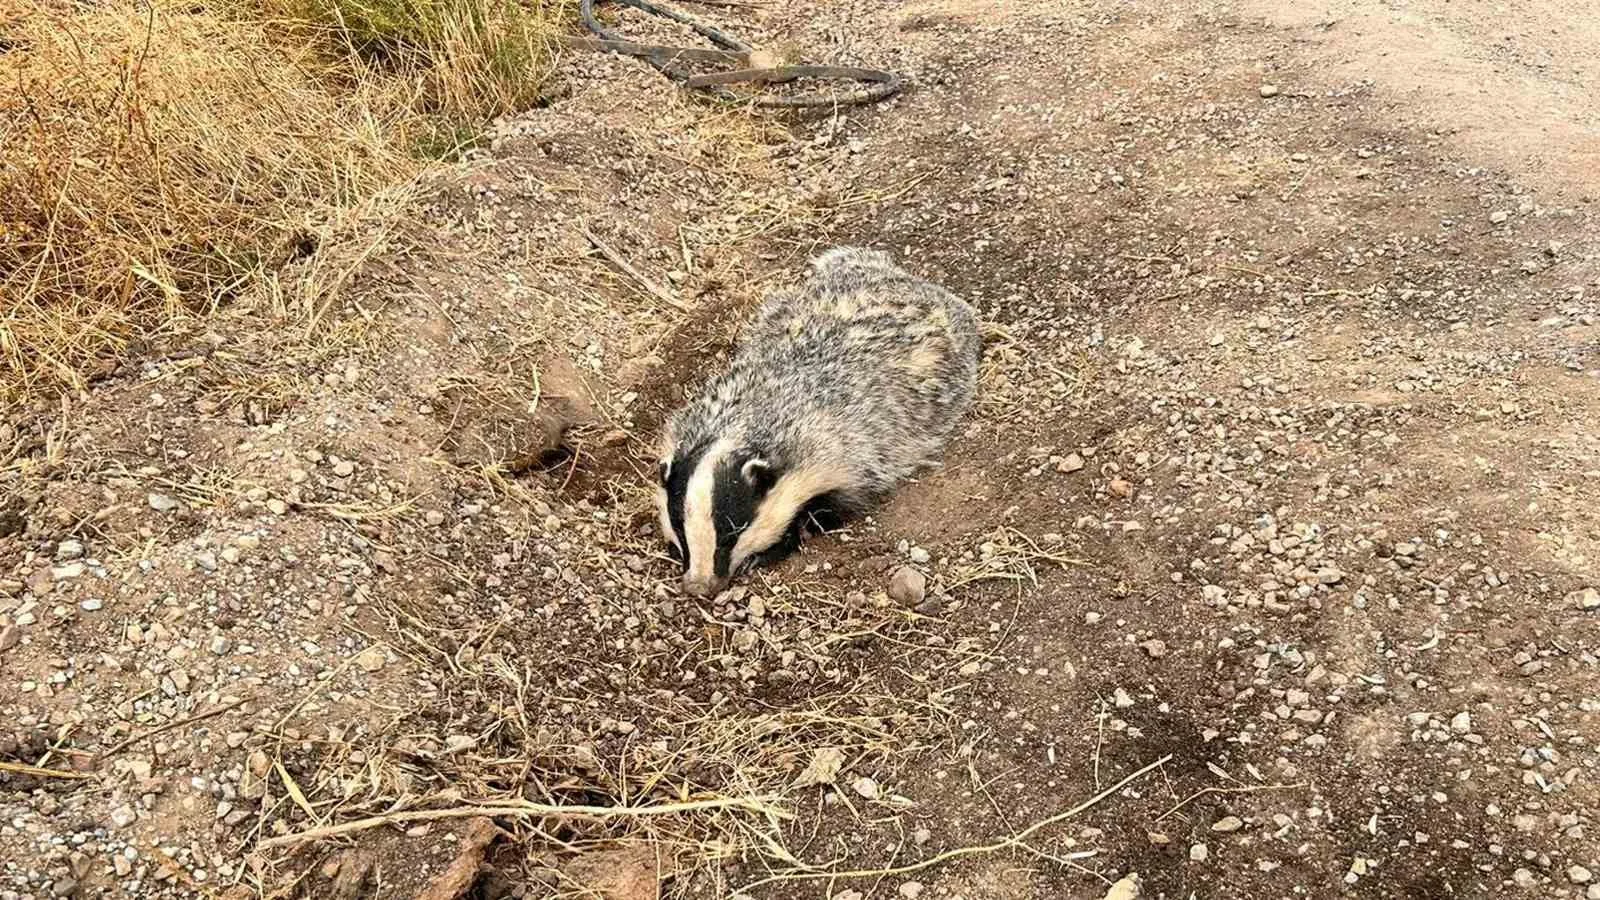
158,160
472,59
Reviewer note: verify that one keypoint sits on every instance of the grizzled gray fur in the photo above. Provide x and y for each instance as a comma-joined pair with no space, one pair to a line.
842,386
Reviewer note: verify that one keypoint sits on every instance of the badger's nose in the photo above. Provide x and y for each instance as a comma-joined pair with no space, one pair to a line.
708,586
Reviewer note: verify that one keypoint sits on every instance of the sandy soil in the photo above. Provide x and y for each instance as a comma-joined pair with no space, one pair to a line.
1267,566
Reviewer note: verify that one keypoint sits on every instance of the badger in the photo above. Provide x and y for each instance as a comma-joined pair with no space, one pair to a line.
841,388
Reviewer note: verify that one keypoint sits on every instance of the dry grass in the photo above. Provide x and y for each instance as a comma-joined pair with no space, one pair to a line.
159,160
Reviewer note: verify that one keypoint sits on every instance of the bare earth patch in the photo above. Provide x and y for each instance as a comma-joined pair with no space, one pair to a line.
1266,566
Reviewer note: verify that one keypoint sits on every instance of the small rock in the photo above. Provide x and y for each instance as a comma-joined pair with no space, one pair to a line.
866,787
10,636
344,468
1227,824
1125,889
1499,217
68,550
123,816
162,502
1523,878
93,604
67,572
1120,699
908,586
1588,598
1155,649
1269,90
920,556
1199,852
258,764
911,890
921,836
1579,875
370,659
1461,722
277,507
1072,462
1121,487
433,517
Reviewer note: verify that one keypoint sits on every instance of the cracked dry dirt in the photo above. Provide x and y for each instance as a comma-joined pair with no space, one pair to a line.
1277,509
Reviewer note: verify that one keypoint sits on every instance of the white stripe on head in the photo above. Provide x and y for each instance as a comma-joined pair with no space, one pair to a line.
699,515
665,450
666,517
792,492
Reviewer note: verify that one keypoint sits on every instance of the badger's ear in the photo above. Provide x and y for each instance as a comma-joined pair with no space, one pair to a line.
759,473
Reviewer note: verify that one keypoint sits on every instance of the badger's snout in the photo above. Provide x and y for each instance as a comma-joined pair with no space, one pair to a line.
703,586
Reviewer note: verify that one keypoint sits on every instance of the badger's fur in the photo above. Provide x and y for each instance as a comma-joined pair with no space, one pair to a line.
841,388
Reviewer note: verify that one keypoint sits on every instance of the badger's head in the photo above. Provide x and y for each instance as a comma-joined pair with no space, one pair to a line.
726,506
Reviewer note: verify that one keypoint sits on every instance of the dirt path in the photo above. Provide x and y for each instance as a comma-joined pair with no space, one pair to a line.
1283,476
1314,397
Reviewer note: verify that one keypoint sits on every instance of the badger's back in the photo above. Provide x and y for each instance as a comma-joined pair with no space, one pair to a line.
863,369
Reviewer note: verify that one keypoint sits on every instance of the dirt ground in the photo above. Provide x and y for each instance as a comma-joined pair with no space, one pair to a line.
1266,567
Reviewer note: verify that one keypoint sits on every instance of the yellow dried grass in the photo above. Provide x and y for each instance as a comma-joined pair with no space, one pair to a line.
159,158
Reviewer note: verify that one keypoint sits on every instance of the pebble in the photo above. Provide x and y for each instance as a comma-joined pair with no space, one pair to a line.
1228,824
123,816
93,604
866,787
161,502
1579,875
1499,216
908,586
1461,722
371,660
258,763
1588,598
10,636
69,549
344,468
1125,889
1199,852
1155,649
911,890
277,507
67,572
1269,90
920,556
1120,699
1072,462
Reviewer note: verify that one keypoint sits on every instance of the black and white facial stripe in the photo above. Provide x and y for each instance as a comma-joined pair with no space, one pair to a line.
713,504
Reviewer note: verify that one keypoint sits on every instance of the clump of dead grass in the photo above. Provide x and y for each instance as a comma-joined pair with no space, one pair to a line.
160,159
471,59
